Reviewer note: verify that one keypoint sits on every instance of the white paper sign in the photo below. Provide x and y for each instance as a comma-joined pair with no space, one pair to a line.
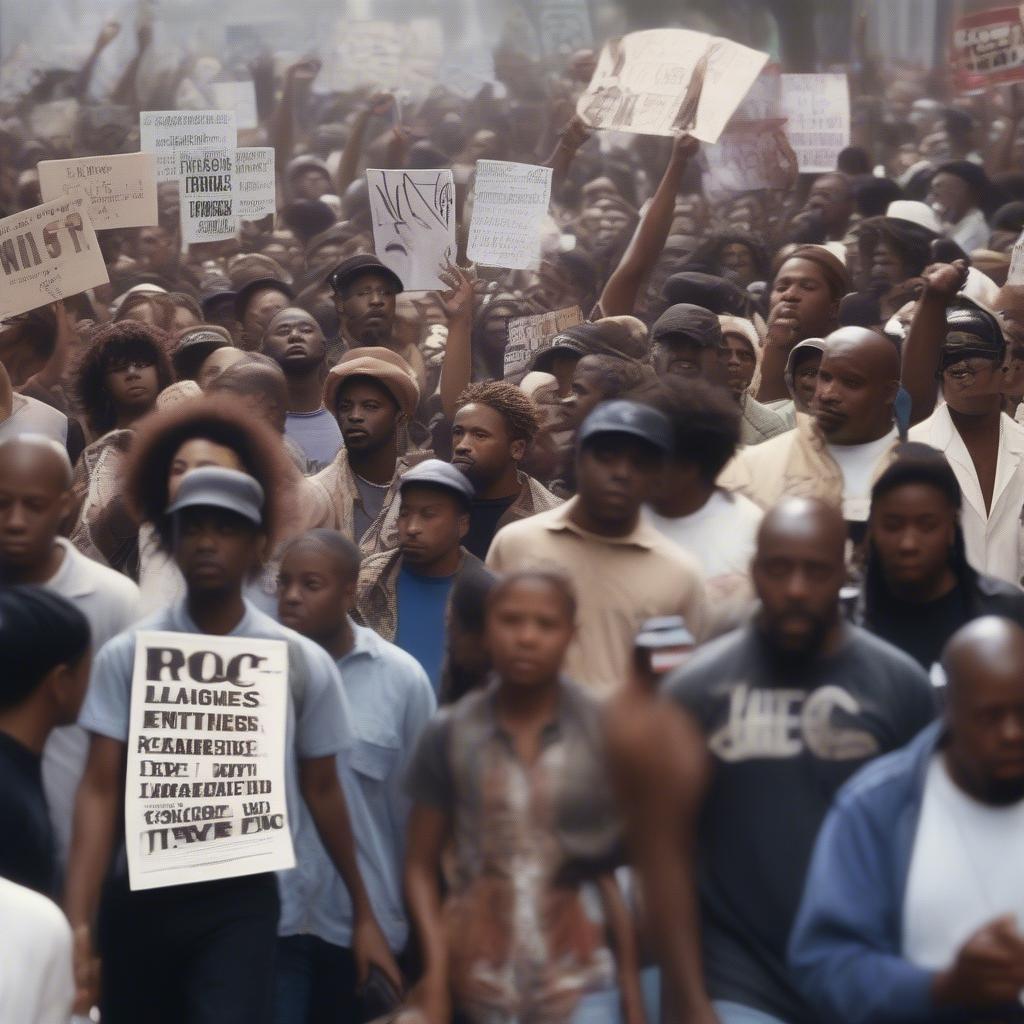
527,335
121,187
255,196
664,80
510,202
207,185
745,161
205,788
48,253
239,97
164,132
817,109
413,223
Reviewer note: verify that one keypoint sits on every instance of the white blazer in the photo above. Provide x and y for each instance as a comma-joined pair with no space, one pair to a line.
994,540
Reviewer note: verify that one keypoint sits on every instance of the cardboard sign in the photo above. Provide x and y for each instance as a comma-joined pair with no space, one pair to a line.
205,787
121,188
817,112
255,195
413,223
207,185
527,335
510,202
987,48
239,97
663,81
48,253
164,132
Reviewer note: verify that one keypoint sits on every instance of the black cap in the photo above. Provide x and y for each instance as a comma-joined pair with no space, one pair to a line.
688,323
624,417
971,331
362,263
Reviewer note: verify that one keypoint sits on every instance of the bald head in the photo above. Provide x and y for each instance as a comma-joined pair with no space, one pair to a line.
984,666
857,384
809,518
36,453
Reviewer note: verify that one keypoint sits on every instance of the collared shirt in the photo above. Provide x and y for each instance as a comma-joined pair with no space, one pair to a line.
970,232
110,602
525,836
619,582
391,702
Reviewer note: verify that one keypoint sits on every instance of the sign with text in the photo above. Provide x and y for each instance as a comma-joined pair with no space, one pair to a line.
817,112
987,48
48,253
745,161
164,132
666,80
527,335
205,788
121,188
413,223
255,196
207,185
510,203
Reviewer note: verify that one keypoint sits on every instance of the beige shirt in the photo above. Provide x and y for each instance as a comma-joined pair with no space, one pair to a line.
619,581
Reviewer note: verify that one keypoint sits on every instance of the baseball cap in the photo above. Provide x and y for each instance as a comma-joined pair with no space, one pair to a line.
215,487
971,331
691,323
622,416
361,263
435,473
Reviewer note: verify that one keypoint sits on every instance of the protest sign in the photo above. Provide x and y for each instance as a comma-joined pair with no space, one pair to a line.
205,787
121,188
745,161
564,27
527,335
239,97
413,223
48,253
510,202
255,196
662,81
207,195
987,48
817,112
164,132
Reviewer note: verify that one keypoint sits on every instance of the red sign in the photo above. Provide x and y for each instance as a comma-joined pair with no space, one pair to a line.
987,48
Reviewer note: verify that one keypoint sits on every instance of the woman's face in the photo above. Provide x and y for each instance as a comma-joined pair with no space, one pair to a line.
195,454
738,264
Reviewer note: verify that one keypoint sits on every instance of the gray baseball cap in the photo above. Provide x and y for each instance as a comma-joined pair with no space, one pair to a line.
624,417
435,473
214,487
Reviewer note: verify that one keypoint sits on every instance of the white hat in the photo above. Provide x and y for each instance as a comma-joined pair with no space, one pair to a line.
914,212
980,288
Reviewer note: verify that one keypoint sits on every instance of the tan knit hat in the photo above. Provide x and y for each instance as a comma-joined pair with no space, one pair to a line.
380,364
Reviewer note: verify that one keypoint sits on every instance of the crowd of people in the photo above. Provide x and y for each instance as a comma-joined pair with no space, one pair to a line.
680,678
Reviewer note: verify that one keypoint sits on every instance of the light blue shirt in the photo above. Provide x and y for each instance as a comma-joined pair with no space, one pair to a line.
391,700
317,435
320,722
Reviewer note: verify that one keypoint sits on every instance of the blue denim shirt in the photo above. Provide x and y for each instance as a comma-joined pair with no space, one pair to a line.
391,700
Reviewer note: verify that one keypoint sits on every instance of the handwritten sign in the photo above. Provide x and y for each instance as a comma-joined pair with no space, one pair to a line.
527,335
205,787
745,161
164,132
239,97
510,202
987,48
255,195
817,112
48,253
121,187
662,81
207,185
413,223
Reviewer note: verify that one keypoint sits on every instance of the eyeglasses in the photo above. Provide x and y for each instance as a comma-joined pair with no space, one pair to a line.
964,372
118,364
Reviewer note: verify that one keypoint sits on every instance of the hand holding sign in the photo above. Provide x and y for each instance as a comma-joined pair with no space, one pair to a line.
457,302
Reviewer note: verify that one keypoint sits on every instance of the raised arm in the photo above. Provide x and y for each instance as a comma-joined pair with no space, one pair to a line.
282,124
457,368
570,139
348,169
107,35
620,293
125,92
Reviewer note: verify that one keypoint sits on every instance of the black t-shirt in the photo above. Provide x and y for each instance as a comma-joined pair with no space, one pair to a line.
784,739
27,850
483,523
921,629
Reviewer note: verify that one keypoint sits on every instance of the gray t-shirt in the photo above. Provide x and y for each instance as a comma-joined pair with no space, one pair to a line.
317,434
367,508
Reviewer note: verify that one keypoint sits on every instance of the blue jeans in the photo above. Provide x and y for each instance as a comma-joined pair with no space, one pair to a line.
315,982
735,1013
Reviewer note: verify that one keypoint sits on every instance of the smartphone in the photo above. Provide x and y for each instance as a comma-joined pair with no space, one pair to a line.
662,645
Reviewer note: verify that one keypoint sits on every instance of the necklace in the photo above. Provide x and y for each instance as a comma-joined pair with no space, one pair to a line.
370,483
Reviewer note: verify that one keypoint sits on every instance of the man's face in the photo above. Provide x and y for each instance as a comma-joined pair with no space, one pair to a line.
615,475
912,528
800,285
132,382
34,500
481,447
679,356
262,307
797,581
431,524
311,183
367,309
738,264
367,415
215,550
740,363
294,341
312,596
887,267
528,632
850,405
831,199
950,197
587,390
603,223
215,364
968,385
195,454
805,379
